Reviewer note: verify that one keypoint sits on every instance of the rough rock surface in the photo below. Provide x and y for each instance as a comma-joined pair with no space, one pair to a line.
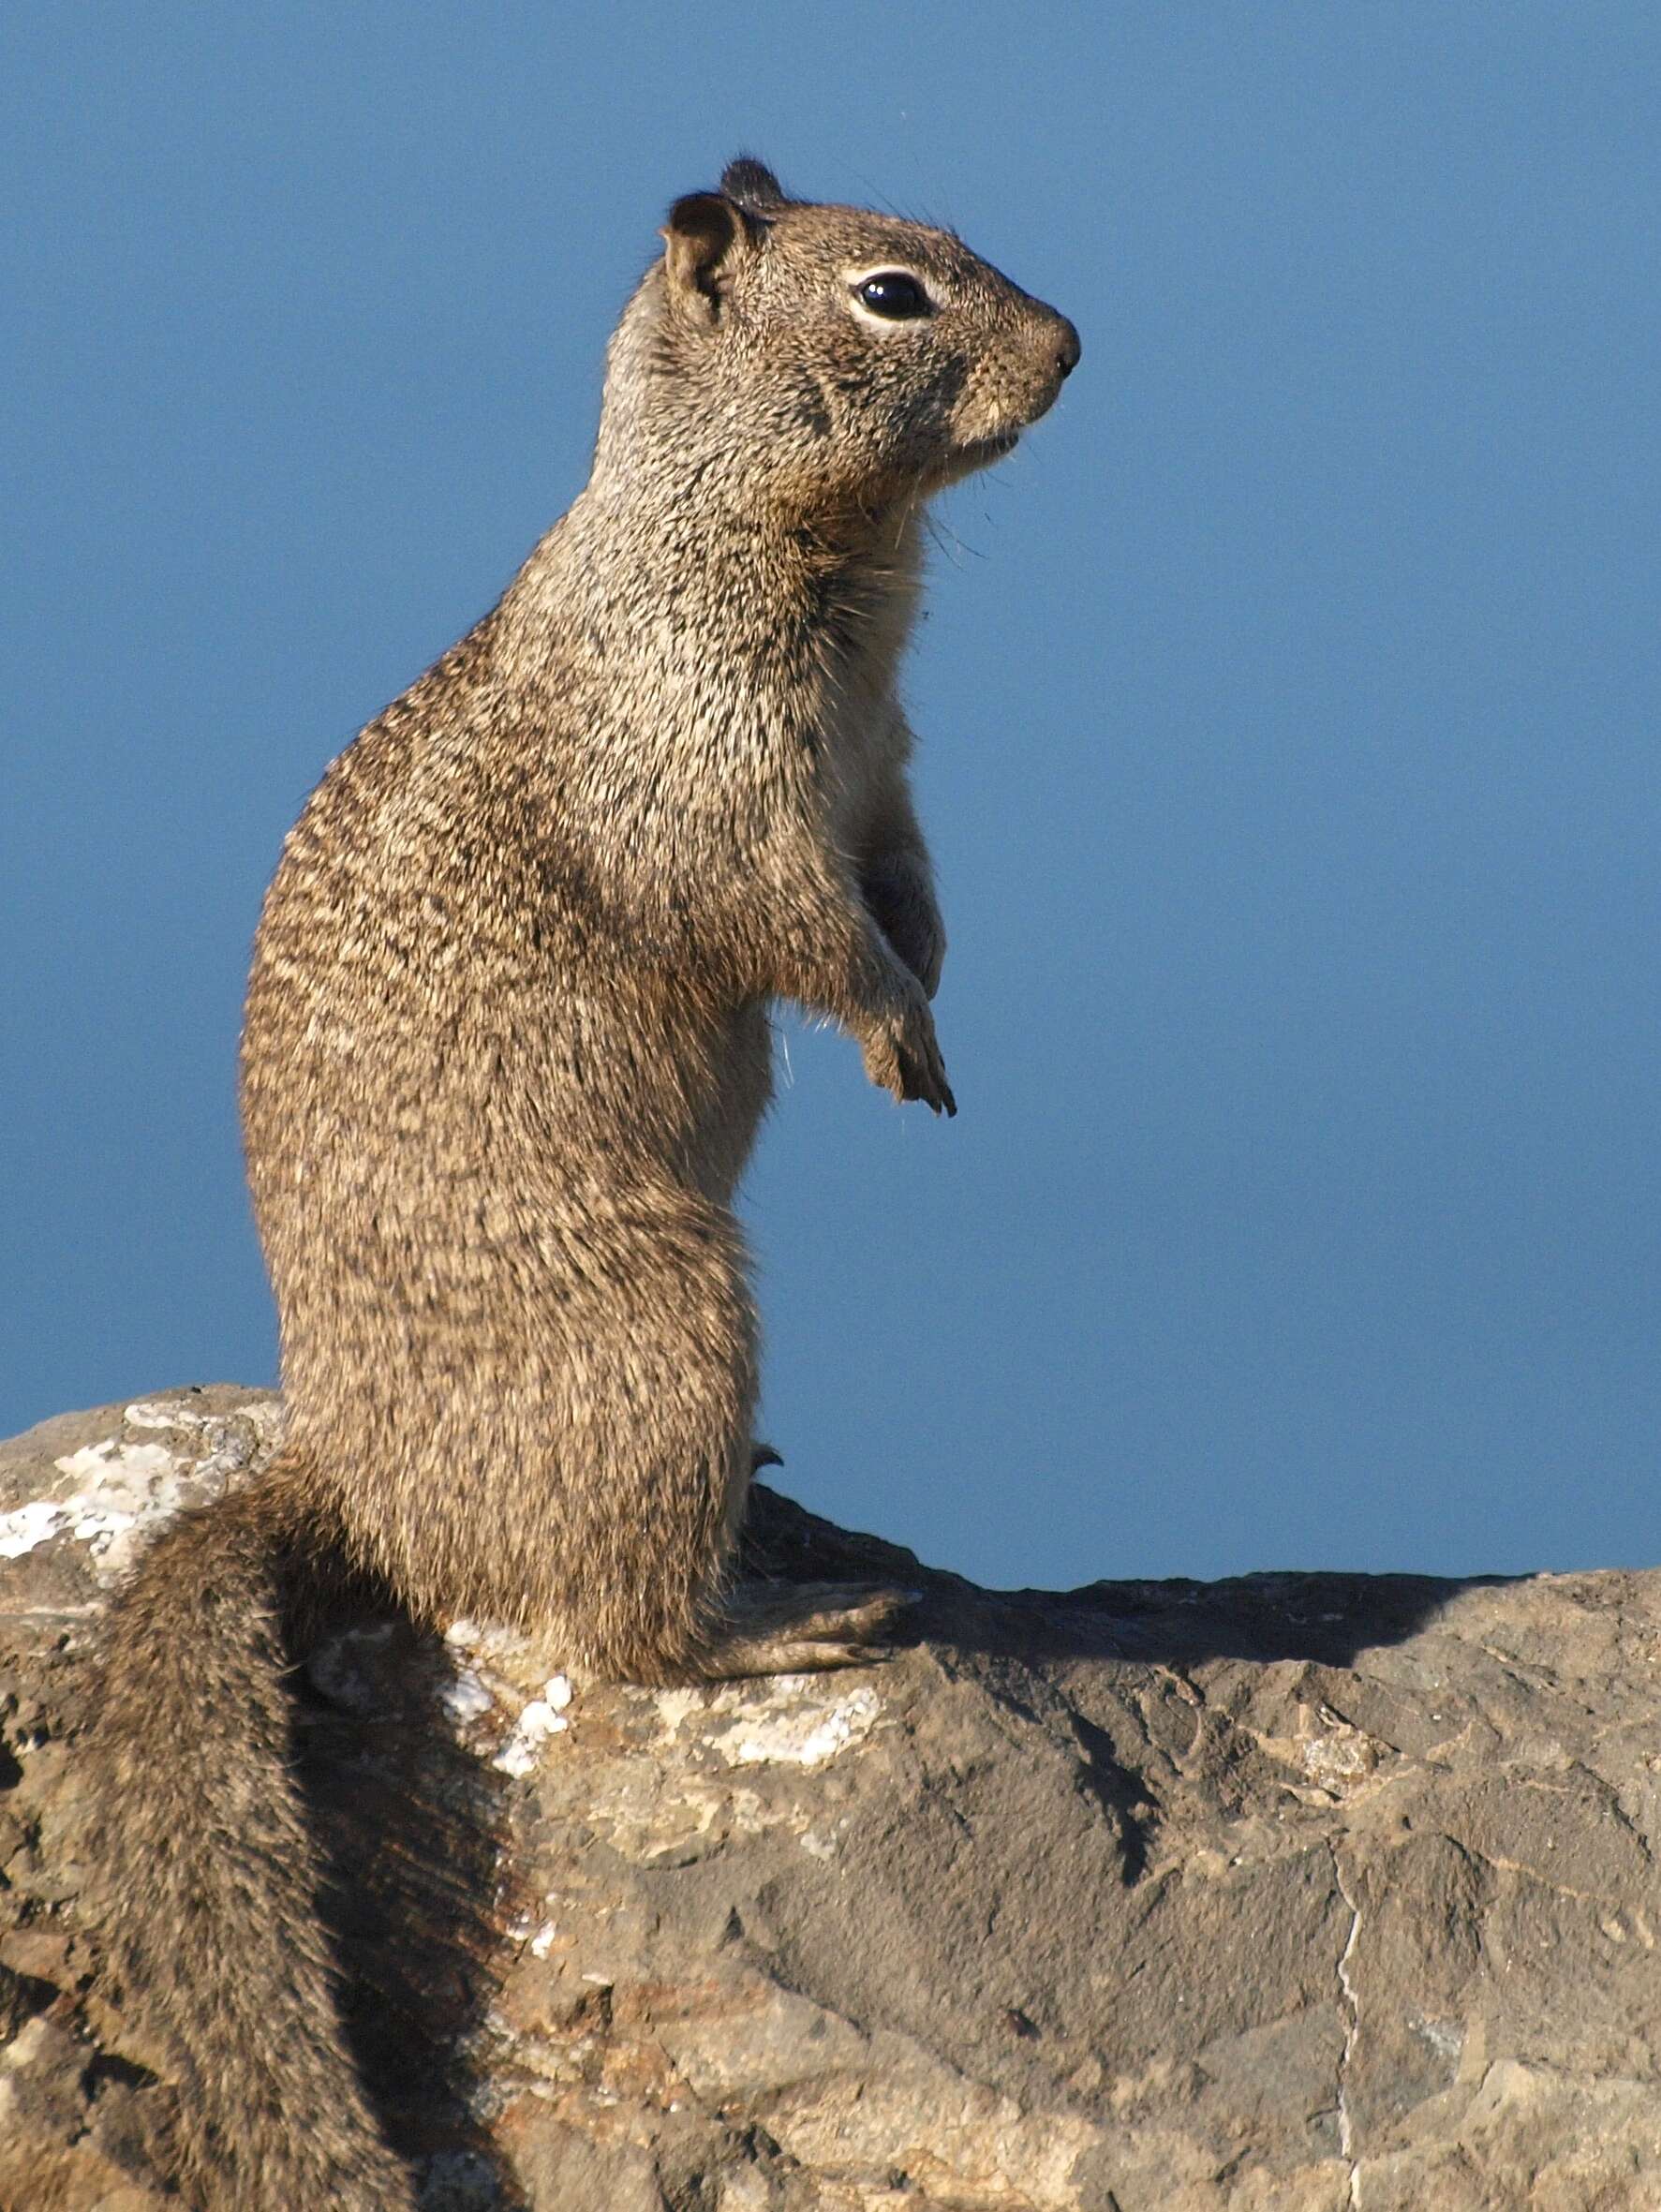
1291,1892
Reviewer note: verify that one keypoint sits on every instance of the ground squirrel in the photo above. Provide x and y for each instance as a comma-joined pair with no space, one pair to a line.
506,1049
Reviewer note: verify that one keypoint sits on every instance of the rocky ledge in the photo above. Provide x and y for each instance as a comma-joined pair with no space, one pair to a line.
1297,1891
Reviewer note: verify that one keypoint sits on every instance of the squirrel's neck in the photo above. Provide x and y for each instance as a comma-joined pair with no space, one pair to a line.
647,571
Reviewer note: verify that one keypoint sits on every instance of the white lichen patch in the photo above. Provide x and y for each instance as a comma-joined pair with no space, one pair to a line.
121,1489
113,1468
791,1729
220,1432
26,1526
162,1413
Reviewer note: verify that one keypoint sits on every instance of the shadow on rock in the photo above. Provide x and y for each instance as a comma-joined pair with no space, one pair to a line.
1324,1618
412,1828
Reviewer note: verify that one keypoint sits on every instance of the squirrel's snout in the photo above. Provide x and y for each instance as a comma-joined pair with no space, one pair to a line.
1067,347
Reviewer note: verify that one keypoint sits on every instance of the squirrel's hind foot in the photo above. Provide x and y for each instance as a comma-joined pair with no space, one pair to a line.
803,1627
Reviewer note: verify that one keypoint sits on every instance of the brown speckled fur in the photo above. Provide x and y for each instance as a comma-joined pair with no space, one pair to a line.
506,1050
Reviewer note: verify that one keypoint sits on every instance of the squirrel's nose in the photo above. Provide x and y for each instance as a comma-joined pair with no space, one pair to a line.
1068,349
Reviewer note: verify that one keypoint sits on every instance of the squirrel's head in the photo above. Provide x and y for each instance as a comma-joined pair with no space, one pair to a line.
826,356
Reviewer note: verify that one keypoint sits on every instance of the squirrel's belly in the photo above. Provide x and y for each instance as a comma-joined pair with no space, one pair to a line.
419,1102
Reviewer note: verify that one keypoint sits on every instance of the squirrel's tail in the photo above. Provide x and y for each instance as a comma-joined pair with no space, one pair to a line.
208,1877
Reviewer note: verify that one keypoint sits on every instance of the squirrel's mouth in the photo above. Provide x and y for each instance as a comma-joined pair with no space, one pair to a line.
979,452
971,455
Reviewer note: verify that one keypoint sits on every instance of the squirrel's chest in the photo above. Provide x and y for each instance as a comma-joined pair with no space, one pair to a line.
857,744
857,728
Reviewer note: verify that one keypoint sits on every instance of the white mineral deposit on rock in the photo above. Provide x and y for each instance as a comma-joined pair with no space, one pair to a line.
792,1722
124,1489
539,1720
36,1523
163,1413
464,1697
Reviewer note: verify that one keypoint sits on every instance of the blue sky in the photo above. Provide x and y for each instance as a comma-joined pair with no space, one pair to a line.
1288,707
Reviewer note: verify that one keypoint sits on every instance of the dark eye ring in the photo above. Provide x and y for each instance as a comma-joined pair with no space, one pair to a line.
893,295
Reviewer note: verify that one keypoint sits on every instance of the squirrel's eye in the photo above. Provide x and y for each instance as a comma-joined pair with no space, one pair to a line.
894,295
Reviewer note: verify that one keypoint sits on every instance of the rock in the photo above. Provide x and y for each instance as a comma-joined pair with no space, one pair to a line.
1290,1893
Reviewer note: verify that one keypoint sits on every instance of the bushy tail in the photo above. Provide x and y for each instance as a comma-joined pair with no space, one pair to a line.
208,1879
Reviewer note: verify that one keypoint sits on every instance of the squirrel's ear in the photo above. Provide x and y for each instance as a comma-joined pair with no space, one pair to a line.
706,239
753,185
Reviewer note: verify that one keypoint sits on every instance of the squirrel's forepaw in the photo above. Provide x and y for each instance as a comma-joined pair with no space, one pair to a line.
902,1055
